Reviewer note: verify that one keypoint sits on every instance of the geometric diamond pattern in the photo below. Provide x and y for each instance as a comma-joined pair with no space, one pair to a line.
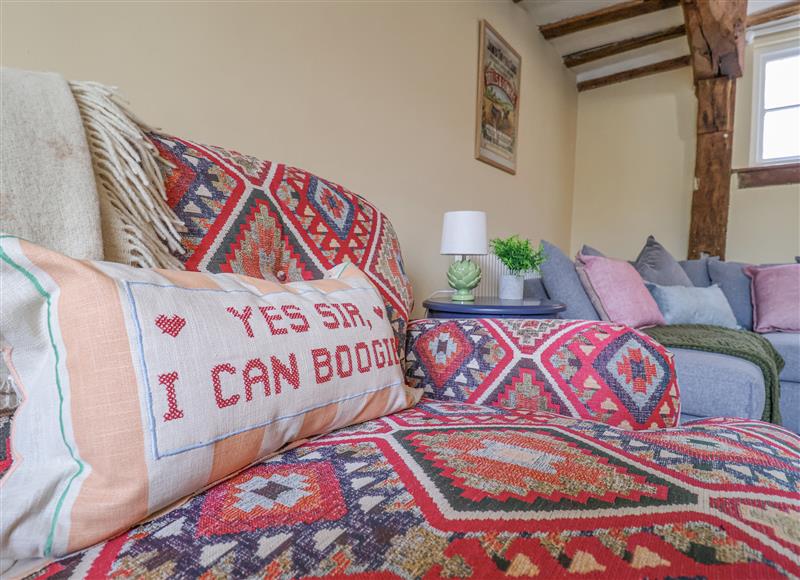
271,495
442,350
637,373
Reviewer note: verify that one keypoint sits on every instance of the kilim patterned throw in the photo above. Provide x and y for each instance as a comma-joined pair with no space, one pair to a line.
265,219
591,370
454,490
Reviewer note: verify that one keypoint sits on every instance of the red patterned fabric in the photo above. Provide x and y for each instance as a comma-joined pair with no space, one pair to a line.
266,219
591,370
453,490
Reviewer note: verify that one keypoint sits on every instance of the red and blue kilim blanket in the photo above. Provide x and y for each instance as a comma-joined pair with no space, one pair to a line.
454,490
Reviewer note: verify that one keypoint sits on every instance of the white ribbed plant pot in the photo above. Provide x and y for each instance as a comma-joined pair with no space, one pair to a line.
511,287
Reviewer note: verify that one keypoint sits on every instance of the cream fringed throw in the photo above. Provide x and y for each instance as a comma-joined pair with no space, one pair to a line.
139,228
79,176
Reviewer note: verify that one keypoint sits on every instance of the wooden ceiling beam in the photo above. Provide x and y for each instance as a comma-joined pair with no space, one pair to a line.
716,33
775,13
634,73
612,48
603,16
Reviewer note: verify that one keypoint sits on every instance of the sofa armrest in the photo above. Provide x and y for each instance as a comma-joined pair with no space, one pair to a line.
584,369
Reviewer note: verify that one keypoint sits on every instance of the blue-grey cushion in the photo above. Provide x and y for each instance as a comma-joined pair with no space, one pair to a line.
735,284
686,418
685,305
533,288
718,385
788,346
697,271
655,264
790,405
562,284
590,251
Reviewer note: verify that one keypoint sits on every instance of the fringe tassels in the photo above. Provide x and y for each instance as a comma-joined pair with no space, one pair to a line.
144,231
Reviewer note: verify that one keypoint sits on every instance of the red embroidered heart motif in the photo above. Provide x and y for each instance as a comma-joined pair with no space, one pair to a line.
378,310
171,325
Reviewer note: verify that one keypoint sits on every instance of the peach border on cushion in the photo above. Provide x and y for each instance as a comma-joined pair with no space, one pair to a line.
91,361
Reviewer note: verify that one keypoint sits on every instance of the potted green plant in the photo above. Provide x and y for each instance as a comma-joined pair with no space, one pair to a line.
520,257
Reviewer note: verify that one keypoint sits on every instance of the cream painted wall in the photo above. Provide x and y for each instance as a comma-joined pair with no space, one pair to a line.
379,97
634,173
634,164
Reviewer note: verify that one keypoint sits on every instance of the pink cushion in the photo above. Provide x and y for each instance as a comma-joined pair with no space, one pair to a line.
775,292
618,292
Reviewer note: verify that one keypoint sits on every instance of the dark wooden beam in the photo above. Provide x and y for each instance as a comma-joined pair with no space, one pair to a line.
708,229
775,13
607,15
715,31
634,73
768,175
620,46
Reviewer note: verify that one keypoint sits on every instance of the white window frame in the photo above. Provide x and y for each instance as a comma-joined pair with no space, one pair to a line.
761,56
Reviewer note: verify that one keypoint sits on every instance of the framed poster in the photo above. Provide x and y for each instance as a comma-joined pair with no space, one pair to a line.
498,101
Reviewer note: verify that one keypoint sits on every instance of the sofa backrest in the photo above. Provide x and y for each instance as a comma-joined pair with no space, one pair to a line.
262,219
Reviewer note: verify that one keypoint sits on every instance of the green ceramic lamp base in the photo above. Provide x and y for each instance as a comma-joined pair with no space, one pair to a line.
463,275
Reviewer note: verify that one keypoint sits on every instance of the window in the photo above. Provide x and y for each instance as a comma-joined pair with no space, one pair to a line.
776,105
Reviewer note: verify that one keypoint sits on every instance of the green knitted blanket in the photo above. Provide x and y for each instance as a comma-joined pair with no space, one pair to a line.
739,343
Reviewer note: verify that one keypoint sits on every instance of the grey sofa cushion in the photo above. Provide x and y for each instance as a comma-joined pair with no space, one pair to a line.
790,405
562,284
682,305
788,346
655,264
735,284
718,385
697,271
590,251
534,288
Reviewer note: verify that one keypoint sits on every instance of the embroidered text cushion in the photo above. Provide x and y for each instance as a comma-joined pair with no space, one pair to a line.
140,387
591,370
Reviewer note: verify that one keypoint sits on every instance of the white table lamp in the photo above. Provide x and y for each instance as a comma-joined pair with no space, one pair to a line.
464,234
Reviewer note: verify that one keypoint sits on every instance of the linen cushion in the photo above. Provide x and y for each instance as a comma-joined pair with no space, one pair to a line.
775,291
697,271
142,386
730,277
655,264
683,305
592,370
563,285
618,292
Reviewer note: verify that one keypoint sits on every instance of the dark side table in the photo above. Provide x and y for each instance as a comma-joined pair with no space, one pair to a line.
440,306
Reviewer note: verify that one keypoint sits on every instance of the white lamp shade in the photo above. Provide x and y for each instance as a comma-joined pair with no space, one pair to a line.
464,233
